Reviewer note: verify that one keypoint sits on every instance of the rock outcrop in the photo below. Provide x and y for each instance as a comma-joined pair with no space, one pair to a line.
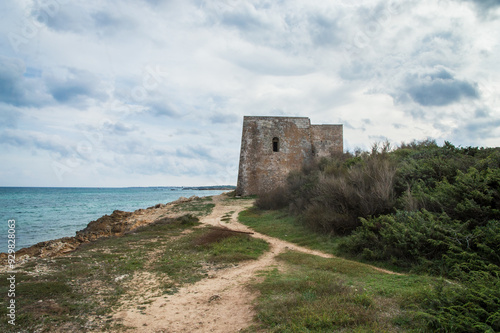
116,224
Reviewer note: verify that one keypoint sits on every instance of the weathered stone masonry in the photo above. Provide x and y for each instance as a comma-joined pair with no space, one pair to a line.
271,147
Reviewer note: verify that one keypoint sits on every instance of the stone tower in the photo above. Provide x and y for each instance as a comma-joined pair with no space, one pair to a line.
271,147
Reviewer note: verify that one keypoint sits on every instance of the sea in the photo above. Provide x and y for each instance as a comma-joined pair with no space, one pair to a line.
43,213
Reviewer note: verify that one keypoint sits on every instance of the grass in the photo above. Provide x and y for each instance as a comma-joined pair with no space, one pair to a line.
279,224
199,207
237,247
78,292
227,217
315,294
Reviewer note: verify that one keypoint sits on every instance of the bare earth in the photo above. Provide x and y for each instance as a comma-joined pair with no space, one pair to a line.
221,303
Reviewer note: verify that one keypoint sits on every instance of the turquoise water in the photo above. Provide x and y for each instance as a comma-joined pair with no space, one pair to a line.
43,214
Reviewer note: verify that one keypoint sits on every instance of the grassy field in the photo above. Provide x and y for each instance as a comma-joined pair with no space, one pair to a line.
198,207
315,294
78,292
279,224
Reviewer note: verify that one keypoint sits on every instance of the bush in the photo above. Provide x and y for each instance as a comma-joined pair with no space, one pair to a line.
275,199
421,207
473,196
325,219
301,188
406,239
360,187
473,306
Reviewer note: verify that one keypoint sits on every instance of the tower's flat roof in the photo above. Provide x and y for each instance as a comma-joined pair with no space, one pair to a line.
279,117
287,118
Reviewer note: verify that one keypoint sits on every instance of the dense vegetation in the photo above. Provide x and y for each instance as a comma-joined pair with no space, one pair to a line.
421,207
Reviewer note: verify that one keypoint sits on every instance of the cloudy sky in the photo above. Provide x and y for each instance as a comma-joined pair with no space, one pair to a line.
153,92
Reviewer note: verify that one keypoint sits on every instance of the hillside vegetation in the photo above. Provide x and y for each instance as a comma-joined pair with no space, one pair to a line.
420,208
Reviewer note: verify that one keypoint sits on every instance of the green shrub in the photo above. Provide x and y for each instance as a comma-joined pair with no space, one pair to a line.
406,239
473,196
473,306
422,207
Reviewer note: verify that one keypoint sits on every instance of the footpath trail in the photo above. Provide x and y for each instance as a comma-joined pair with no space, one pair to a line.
221,303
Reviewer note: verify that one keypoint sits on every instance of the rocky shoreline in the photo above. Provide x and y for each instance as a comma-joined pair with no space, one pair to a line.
114,225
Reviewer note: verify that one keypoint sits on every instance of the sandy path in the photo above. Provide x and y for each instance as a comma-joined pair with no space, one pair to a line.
221,303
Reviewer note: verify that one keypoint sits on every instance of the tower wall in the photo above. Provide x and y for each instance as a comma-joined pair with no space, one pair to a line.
327,140
271,147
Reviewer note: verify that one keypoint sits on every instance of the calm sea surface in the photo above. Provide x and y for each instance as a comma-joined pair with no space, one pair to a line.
43,213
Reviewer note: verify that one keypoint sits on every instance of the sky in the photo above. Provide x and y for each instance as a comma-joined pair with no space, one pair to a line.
153,92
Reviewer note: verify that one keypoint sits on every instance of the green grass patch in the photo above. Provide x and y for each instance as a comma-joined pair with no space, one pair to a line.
315,294
198,207
237,248
186,259
227,217
280,224
88,283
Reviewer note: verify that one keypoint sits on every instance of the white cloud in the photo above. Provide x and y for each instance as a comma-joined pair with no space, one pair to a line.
154,92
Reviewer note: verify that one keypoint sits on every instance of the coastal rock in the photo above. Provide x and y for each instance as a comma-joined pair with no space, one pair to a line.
108,225
184,199
48,248
115,224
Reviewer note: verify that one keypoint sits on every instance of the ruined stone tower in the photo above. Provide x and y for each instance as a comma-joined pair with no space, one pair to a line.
271,147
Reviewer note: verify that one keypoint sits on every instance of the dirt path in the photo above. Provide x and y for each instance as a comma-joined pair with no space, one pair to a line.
221,303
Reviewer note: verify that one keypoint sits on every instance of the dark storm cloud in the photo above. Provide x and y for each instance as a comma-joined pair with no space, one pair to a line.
437,88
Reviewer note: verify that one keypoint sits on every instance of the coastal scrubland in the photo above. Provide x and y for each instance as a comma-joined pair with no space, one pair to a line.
80,291
429,211
390,240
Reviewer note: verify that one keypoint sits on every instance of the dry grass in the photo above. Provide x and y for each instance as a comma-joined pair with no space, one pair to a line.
213,236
